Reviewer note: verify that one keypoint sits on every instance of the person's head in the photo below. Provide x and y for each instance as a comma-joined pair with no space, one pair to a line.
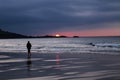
28,41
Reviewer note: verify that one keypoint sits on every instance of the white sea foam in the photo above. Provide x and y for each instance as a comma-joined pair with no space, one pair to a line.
61,45
108,45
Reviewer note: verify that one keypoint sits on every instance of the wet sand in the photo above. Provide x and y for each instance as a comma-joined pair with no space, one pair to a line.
59,66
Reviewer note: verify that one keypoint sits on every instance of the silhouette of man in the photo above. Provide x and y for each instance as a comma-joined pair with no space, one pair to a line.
28,45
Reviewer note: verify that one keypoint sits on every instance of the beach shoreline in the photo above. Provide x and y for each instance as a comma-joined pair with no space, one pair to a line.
56,66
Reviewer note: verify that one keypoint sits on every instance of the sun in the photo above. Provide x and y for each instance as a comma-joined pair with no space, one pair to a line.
57,35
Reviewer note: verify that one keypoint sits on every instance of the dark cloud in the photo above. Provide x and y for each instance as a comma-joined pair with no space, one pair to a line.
45,16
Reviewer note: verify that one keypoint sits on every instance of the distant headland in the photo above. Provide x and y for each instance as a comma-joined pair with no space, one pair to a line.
8,35
11,35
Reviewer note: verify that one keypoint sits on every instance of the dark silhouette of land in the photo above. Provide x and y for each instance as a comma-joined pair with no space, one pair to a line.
6,34
75,36
9,35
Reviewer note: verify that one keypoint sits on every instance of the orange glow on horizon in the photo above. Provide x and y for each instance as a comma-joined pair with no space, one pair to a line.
57,35
92,32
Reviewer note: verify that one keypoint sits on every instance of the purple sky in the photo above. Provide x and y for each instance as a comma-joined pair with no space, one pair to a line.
66,17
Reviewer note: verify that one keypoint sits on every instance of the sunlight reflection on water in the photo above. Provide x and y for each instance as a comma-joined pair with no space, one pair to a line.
61,45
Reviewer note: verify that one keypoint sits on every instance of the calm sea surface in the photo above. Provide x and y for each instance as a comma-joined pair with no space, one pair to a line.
102,45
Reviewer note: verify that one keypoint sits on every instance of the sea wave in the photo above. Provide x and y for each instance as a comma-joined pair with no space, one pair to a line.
108,45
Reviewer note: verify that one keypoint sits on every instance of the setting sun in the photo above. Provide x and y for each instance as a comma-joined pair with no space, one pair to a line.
57,35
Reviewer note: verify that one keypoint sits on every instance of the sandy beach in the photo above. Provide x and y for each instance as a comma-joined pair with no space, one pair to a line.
59,66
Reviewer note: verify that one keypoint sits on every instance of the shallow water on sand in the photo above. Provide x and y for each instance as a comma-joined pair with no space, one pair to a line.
64,66
61,59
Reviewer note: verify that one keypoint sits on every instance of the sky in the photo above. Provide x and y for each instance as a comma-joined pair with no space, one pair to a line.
64,17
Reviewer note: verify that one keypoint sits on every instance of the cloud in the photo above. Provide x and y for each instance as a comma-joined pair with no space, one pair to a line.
45,16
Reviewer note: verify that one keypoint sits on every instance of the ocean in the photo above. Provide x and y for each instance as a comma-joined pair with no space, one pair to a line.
95,58
102,45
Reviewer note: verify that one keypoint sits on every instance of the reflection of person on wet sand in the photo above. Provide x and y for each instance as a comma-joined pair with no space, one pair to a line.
29,63
28,45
